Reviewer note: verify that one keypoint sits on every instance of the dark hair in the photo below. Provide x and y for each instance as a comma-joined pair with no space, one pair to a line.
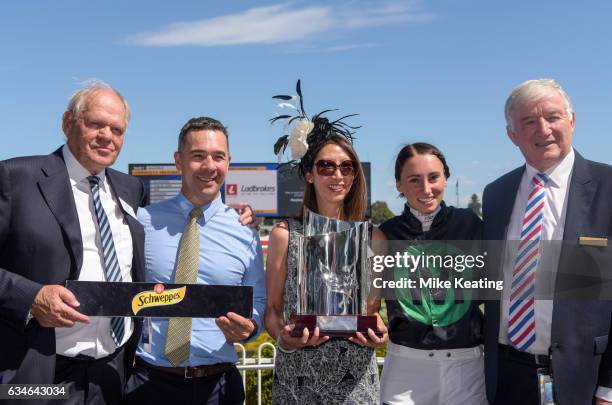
200,124
418,148
355,203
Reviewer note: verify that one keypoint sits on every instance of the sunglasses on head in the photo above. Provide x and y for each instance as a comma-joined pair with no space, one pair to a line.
328,167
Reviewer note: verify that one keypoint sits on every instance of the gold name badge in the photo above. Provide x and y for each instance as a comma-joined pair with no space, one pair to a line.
148,299
591,241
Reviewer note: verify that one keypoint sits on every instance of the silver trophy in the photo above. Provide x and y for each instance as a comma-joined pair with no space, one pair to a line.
333,277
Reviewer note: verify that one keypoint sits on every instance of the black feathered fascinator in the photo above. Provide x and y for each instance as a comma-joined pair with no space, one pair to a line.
306,134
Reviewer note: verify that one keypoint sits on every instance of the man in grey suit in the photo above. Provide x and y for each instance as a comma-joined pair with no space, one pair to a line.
556,196
53,211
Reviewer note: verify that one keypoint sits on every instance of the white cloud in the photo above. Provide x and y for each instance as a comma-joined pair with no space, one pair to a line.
282,23
348,47
265,25
383,14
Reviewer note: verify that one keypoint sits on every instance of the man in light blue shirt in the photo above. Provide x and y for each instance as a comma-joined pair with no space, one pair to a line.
229,254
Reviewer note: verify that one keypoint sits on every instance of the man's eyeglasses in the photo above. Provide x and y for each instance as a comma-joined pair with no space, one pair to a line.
328,167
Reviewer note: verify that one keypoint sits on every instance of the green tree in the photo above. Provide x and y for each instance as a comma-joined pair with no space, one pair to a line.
475,205
381,212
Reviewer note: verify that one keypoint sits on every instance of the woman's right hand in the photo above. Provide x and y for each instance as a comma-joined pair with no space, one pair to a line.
288,342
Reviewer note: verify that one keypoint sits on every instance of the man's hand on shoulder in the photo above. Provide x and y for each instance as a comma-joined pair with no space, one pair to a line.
247,215
54,306
236,328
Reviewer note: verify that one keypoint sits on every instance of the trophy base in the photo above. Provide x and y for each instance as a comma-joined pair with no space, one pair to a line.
334,325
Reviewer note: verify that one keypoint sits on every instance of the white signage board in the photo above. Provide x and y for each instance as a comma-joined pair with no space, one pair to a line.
254,184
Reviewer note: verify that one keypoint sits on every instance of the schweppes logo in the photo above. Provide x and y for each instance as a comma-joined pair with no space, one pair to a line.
148,299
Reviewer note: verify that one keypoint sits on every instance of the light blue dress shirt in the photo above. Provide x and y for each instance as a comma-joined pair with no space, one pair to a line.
230,254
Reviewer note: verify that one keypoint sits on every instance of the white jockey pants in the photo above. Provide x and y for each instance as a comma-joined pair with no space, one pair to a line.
433,377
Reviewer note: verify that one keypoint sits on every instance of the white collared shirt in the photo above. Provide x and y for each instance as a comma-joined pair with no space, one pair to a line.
94,339
555,211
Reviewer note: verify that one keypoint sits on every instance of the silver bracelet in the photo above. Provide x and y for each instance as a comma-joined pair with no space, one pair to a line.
280,347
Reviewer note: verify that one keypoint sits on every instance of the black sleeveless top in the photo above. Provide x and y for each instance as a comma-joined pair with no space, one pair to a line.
427,323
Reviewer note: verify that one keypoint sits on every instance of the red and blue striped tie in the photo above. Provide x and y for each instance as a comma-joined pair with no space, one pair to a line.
521,324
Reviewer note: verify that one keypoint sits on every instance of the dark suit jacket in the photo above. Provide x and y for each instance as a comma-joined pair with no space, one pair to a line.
581,358
40,243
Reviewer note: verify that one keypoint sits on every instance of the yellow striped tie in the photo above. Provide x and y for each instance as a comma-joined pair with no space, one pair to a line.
179,329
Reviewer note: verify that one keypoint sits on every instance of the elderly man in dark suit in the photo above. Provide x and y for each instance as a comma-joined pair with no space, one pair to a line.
556,196
68,216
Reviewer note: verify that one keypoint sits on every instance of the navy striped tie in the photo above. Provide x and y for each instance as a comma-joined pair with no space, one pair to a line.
111,264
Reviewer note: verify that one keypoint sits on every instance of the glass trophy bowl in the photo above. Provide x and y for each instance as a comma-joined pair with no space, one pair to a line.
333,277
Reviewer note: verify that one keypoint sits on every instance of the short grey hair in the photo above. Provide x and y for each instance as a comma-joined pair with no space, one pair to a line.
533,90
79,98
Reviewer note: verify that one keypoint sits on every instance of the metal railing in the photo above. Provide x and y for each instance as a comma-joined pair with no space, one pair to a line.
260,363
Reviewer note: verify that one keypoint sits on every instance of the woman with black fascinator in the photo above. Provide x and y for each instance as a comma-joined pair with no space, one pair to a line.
317,369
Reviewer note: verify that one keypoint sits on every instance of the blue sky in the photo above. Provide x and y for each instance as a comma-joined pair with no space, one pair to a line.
414,71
